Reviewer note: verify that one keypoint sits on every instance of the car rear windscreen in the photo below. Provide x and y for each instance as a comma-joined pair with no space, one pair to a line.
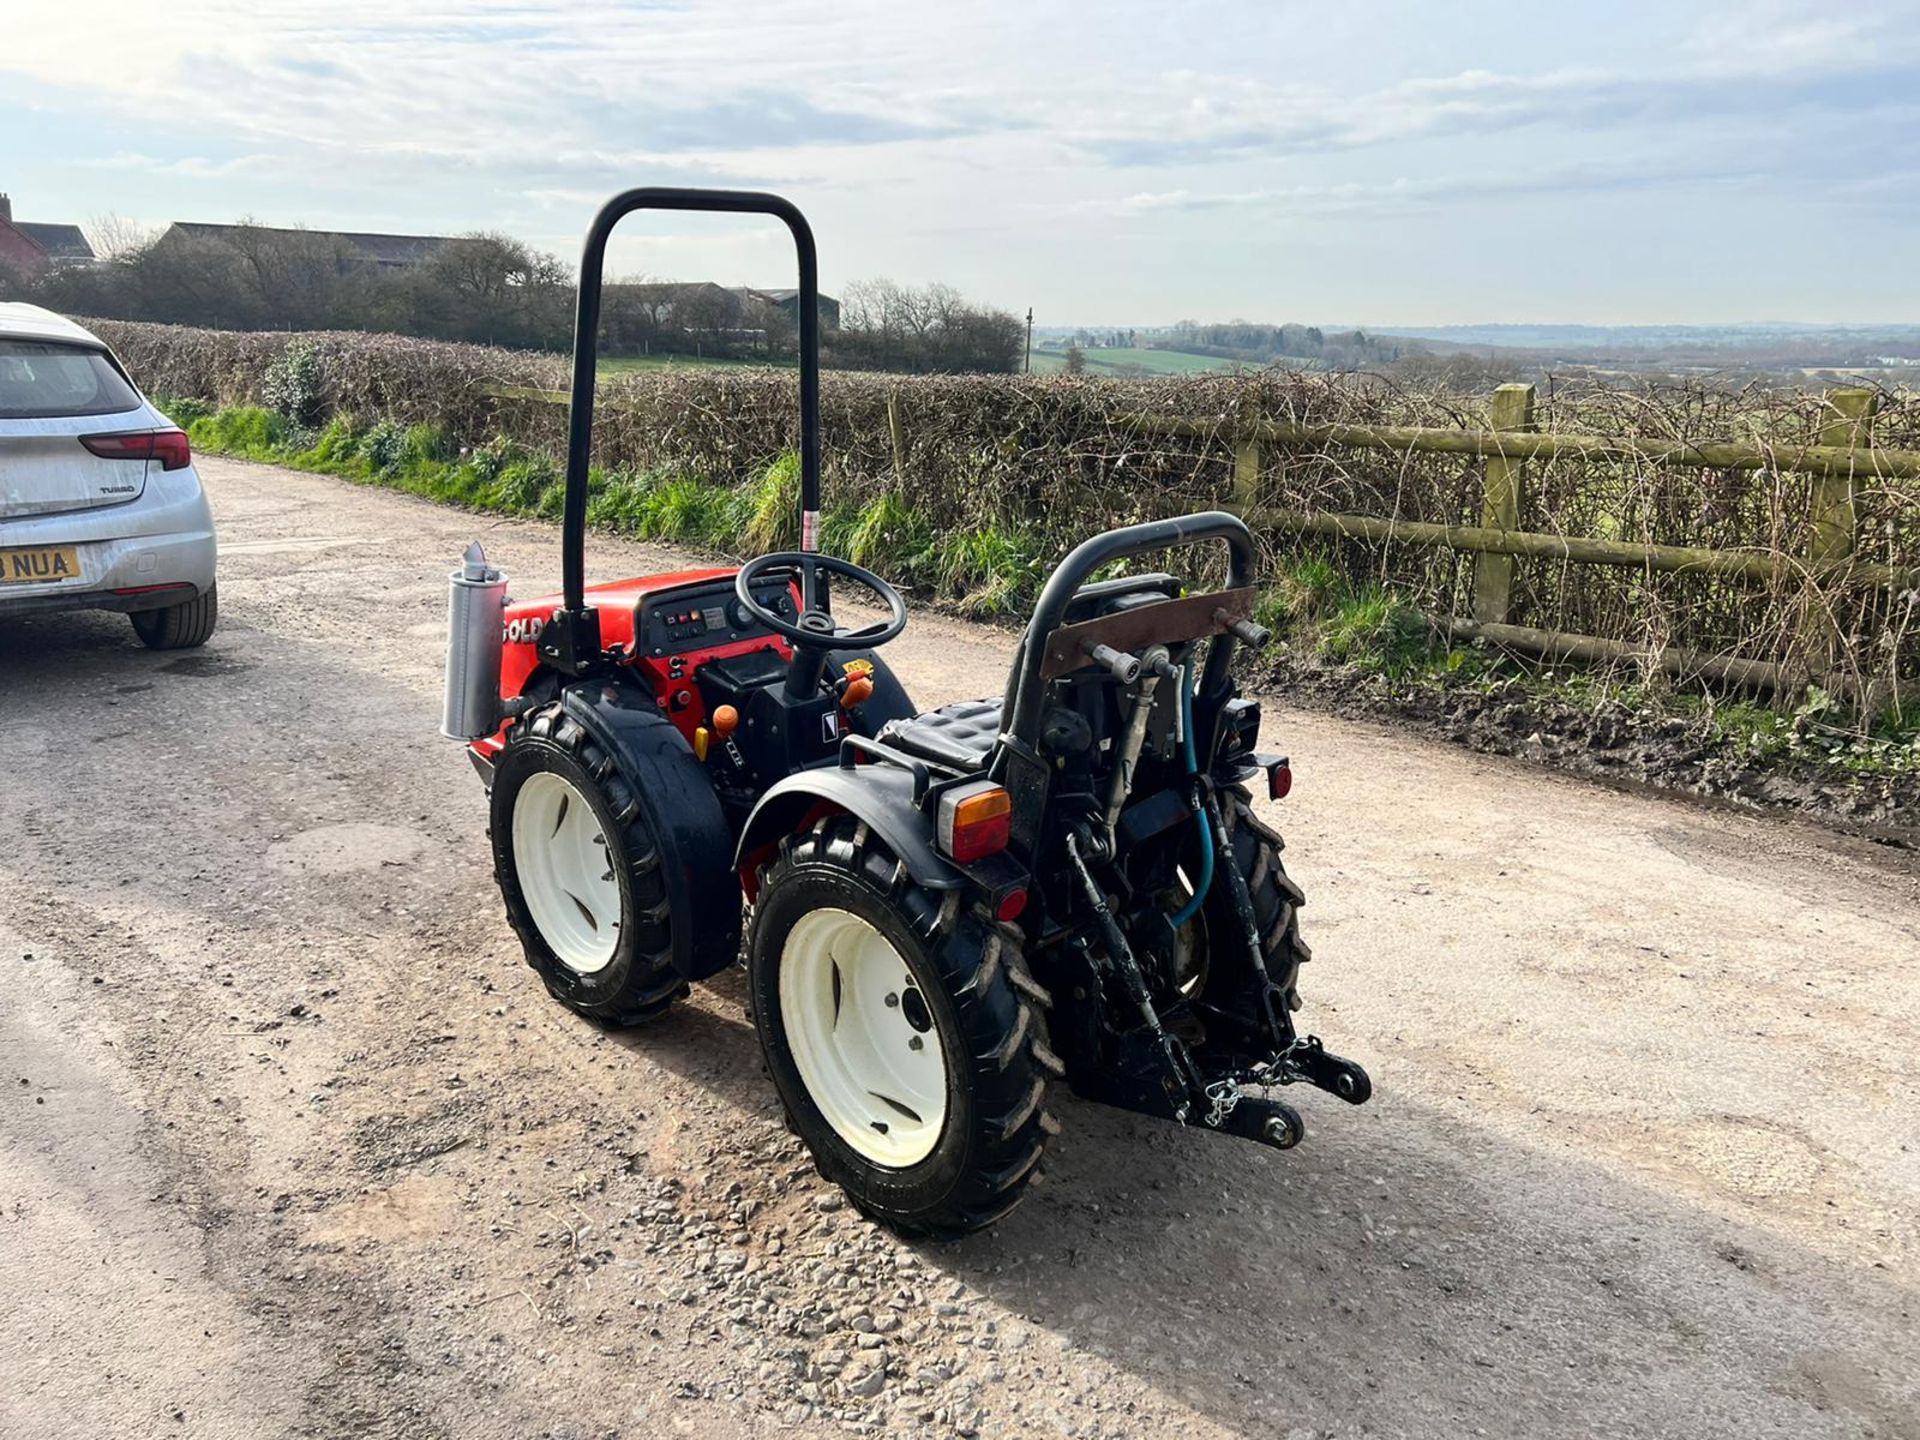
40,379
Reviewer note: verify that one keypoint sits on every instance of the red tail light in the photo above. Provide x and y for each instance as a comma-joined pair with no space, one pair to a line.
169,447
1279,780
974,821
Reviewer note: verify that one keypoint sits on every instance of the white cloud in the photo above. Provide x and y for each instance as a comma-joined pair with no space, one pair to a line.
551,85
917,131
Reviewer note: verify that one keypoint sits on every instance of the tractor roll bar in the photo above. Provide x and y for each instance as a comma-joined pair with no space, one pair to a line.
575,632
1026,686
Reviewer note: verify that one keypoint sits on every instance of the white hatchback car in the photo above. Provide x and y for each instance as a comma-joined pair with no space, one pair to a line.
100,507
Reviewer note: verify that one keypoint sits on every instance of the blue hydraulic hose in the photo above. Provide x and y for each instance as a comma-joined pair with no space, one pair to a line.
1205,883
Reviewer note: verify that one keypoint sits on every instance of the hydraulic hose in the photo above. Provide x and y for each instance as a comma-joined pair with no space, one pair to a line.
1205,881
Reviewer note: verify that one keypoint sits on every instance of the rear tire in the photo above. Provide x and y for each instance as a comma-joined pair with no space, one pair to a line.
963,991
602,940
182,626
1276,899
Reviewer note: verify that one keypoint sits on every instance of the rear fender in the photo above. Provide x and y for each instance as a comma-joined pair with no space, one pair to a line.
695,841
881,796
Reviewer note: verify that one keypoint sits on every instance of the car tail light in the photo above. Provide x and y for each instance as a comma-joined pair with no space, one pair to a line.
169,447
974,821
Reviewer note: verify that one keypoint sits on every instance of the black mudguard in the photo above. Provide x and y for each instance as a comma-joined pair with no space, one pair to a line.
703,887
880,795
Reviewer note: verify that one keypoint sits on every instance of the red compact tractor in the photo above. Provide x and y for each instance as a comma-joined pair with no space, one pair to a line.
946,912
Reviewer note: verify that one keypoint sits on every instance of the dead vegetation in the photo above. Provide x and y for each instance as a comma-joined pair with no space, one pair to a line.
1000,474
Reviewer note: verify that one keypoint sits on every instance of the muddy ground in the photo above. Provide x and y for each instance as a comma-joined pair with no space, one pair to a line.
1614,744
292,1143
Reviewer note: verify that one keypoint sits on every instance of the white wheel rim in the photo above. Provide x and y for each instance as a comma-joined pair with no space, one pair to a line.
863,1038
565,873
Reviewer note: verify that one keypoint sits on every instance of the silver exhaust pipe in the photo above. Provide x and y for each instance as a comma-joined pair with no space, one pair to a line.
476,620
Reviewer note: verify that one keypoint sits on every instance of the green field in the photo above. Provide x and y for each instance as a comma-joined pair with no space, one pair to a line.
611,365
1133,362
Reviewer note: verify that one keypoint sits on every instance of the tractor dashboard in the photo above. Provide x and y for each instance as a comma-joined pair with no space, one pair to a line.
701,617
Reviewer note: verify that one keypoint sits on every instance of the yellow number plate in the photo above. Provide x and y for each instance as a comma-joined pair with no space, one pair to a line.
40,565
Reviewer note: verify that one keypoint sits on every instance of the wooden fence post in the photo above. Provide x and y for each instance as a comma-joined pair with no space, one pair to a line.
1833,534
1248,456
1833,509
897,430
1512,409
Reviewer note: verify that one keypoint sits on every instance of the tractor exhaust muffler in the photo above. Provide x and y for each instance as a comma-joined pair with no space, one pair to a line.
476,618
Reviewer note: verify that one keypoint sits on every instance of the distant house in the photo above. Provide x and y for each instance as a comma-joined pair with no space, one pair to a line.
789,301
29,245
389,252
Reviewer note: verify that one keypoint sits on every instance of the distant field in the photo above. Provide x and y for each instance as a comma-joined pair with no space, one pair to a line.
1122,362
625,364
1045,362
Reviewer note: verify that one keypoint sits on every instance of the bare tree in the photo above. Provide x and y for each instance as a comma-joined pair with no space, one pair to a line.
115,237
885,326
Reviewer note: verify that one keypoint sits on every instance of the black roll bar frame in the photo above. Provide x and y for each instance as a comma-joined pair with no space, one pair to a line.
570,642
1026,685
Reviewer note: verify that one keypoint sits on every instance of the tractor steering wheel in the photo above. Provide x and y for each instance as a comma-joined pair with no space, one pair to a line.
815,629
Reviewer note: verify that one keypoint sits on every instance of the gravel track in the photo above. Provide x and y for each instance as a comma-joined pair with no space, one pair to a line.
292,1143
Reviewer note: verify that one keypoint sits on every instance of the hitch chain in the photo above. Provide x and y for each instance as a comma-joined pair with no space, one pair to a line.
1281,1070
1222,1097
1225,1094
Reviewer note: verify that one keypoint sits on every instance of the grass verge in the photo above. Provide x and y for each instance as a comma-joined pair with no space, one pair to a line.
990,572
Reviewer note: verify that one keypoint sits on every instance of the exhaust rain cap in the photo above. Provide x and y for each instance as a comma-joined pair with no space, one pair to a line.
475,567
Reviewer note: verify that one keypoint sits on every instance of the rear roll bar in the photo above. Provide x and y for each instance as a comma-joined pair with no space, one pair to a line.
575,637
1026,687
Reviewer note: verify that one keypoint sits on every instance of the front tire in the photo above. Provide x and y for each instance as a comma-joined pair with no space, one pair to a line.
579,865
902,1032
182,626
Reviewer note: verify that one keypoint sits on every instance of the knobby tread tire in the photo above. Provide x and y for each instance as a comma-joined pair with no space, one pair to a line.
182,626
641,983
998,1124
1276,899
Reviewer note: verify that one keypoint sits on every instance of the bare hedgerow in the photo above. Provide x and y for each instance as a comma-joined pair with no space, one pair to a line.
1055,459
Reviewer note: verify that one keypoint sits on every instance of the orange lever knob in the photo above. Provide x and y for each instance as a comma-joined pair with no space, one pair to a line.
859,690
726,720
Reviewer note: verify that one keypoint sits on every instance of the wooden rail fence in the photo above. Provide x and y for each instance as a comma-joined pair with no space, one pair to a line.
1844,455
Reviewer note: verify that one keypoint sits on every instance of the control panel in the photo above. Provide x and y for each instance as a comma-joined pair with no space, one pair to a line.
699,617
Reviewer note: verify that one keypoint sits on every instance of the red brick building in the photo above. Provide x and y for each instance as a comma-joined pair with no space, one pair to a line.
27,245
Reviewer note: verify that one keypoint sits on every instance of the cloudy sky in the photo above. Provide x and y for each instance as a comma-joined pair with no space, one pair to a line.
1127,161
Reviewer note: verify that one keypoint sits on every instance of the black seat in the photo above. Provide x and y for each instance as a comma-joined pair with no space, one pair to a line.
1123,592
961,736
958,736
